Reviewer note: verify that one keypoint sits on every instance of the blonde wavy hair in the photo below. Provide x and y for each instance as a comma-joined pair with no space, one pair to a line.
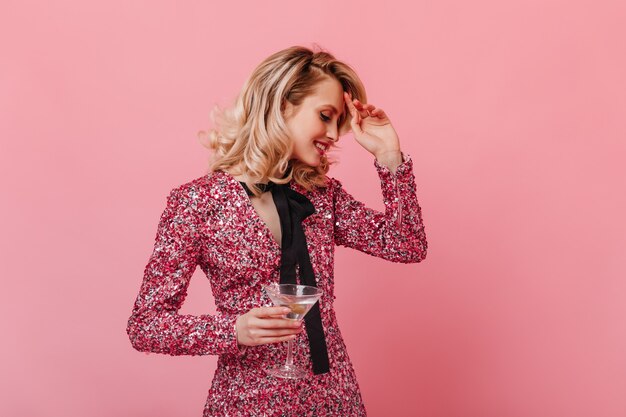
251,137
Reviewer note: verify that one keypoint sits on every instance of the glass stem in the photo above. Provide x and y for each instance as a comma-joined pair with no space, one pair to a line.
289,362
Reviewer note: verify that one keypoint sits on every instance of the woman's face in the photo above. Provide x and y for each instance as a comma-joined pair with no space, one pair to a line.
313,124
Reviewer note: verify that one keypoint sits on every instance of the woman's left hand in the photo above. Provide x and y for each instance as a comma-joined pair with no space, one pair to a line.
372,128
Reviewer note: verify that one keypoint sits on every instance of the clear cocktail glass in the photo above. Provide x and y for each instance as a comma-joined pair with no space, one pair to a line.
299,299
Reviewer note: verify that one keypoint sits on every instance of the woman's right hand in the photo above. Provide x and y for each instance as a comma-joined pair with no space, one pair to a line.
264,325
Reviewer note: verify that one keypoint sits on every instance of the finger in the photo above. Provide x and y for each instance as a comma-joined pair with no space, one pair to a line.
361,108
277,339
265,333
273,322
355,120
379,113
360,105
349,102
355,105
373,109
266,323
255,341
355,123
270,311
276,316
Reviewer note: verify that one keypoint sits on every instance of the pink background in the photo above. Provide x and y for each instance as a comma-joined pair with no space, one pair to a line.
513,112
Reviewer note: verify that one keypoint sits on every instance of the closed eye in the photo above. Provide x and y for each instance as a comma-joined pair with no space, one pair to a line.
324,117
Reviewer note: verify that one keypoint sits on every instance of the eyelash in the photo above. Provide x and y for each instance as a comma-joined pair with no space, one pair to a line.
324,117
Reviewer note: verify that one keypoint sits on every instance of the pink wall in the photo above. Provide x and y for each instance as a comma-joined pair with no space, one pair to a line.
513,112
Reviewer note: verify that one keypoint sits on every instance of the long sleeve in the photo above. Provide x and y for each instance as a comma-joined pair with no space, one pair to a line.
155,325
397,234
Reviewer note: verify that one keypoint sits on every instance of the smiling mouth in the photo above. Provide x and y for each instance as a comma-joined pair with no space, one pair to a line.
321,146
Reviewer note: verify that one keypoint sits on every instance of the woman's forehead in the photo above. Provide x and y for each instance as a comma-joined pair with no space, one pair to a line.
327,93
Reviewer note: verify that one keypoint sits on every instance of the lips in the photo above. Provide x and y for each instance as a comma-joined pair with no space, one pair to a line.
321,147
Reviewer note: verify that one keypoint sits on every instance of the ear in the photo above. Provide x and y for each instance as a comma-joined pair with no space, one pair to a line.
286,108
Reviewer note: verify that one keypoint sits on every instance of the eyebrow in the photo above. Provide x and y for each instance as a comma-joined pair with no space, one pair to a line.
332,107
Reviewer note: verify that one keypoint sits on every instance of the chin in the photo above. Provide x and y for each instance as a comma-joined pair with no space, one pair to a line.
314,162
317,162
311,165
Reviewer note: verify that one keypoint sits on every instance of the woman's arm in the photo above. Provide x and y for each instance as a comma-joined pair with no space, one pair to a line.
155,325
397,234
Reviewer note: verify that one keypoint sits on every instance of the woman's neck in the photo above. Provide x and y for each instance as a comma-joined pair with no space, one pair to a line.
239,175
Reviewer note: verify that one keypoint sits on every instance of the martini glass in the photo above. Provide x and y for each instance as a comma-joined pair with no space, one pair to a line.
299,299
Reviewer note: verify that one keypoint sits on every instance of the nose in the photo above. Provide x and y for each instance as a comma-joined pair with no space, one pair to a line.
333,133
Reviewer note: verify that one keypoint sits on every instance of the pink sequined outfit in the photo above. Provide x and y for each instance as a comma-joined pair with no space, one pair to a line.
211,222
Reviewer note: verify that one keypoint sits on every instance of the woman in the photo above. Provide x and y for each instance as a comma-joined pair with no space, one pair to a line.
267,213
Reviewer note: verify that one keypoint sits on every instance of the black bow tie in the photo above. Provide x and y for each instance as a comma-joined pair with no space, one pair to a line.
293,208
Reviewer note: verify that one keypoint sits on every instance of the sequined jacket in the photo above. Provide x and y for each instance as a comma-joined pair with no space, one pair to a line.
210,222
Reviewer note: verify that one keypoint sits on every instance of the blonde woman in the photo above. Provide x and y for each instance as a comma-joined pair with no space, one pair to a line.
268,213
